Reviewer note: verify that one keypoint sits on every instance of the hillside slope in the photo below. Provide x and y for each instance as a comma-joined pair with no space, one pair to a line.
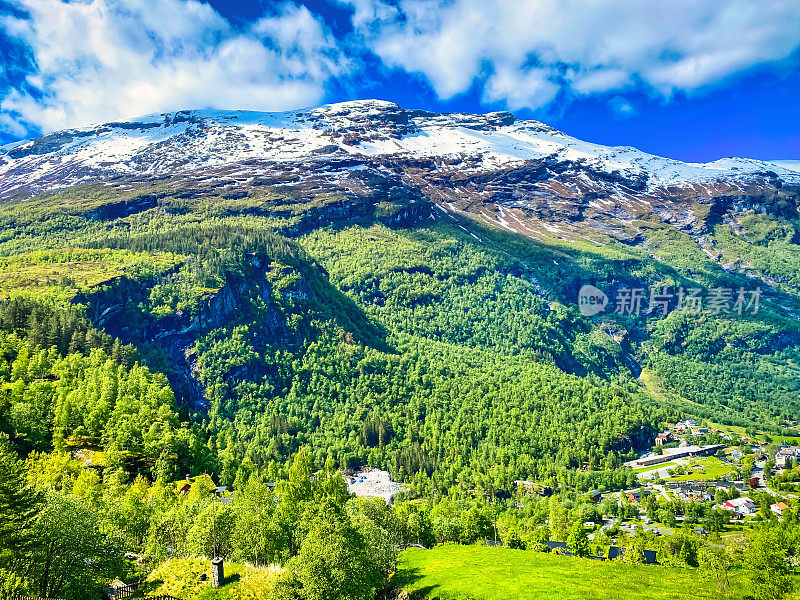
399,288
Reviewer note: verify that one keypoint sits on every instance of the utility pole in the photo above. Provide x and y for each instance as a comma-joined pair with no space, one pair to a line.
217,568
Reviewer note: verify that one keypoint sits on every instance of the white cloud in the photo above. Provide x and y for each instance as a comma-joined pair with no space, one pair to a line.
523,51
366,12
621,107
102,60
520,88
9,124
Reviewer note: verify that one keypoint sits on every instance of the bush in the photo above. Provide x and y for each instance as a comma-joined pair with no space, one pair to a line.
181,577
257,583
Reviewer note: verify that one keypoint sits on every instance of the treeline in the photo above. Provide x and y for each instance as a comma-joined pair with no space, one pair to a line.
436,415
128,415
220,248
47,323
69,386
722,365
66,537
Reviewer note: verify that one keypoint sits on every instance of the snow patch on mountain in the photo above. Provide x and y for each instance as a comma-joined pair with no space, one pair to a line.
792,165
189,141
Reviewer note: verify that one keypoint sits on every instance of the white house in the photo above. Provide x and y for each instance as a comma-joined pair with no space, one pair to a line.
778,508
741,506
784,453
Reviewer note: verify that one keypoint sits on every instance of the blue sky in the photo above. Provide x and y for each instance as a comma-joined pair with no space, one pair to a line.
689,79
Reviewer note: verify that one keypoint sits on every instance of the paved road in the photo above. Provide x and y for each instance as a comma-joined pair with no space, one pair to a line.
758,472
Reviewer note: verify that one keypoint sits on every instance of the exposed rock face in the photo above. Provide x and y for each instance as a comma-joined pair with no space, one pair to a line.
373,159
115,309
639,440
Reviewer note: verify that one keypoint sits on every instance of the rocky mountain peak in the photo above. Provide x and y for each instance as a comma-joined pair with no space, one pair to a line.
521,175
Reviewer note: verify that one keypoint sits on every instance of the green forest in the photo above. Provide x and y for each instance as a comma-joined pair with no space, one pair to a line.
214,343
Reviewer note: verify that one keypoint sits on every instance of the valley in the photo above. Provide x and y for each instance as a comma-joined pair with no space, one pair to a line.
206,317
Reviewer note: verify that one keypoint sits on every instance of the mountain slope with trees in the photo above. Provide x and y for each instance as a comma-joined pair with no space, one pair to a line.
279,330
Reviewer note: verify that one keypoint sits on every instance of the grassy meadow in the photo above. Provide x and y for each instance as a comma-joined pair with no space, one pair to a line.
707,467
454,572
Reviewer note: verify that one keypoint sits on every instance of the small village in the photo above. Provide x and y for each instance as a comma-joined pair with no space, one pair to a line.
739,477
705,479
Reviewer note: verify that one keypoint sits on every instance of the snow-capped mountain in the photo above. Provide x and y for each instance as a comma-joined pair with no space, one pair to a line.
502,170
792,165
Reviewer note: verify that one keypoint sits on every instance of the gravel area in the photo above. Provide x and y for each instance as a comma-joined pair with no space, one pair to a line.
372,483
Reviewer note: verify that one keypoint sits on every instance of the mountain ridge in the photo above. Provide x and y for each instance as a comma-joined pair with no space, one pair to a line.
373,159
357,129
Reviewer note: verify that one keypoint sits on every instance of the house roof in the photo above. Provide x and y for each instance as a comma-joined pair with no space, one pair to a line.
649,555
562,546
743,501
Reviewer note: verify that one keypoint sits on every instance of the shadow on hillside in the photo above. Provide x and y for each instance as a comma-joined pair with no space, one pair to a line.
406,578
345,312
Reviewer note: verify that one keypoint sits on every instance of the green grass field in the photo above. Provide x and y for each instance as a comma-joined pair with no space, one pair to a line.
453,572
761,436
707,467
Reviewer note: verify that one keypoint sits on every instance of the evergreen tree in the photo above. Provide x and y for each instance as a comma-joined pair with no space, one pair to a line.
19,508
577,541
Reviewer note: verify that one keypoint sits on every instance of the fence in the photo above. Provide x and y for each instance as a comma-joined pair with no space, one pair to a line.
124,591
128,591
127,594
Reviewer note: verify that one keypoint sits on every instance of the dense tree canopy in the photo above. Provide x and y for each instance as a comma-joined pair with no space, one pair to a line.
204,342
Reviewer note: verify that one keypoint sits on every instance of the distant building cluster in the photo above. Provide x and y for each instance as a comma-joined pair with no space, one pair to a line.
704,491
784,454
670,454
